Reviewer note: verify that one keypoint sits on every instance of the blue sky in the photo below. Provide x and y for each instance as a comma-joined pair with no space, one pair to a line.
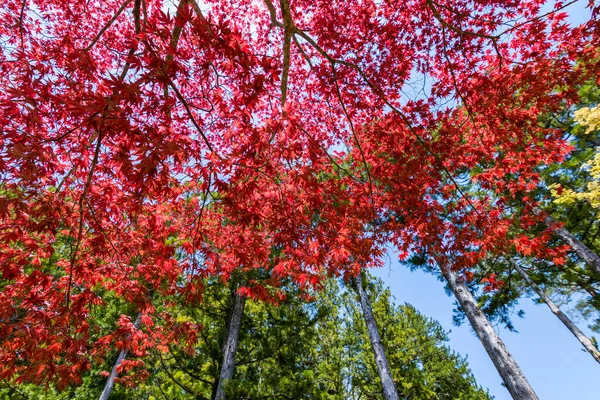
549,355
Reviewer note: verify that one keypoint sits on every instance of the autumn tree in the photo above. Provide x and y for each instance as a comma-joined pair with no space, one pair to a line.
122,121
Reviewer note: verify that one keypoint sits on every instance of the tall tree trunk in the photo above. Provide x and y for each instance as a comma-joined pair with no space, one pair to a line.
591,259
516,383
110,382
383,368
230,345
585,341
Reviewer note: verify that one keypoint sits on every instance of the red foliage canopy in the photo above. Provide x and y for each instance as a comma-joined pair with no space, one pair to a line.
145,146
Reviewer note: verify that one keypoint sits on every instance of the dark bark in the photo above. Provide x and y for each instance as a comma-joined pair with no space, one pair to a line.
230,345
110,382
383,368
591,259
514,380
584,340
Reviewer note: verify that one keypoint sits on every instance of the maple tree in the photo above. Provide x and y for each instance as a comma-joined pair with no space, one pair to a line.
146,146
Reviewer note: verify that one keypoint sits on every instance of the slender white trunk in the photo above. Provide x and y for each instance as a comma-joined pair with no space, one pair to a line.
383,368
110,382
591,259
230,345
585,341
514,380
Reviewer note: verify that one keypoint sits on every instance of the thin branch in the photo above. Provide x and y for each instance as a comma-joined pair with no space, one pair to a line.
199,14
273,14
299,46
136,13
329,155
62,182
189,113
21,18
438,16
138,28
175,35
100,227
458,91
145,11
183,102
512,28
360,149
177,29
81,214
108,24
289,30
194,376
185,388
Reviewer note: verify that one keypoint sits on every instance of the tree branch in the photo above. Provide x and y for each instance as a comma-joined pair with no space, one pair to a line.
108,24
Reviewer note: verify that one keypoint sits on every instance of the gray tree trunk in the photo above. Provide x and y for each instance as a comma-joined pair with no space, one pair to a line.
591,259
514,380
585,341
110,382
230,345
383,368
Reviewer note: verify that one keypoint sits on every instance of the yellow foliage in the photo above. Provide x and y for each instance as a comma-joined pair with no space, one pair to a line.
589,118
184,318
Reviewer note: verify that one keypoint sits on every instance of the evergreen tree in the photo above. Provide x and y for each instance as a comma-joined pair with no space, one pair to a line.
301,348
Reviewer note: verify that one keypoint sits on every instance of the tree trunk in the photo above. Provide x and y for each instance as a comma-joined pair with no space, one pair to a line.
514,380
110,382
383,368
590,258
585,341
230,345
